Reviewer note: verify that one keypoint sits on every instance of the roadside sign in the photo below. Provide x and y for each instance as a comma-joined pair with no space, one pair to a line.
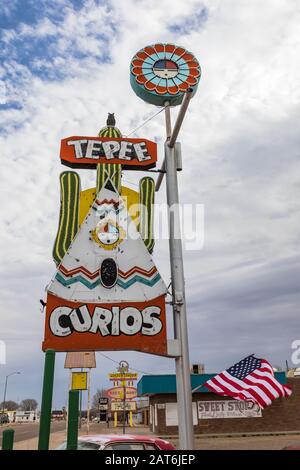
80,360
88,152
123,376
119,406
102,407
107,294
117,393
103,401
103,404
79,380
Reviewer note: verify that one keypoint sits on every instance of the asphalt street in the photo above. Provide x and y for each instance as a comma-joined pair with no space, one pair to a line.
24,431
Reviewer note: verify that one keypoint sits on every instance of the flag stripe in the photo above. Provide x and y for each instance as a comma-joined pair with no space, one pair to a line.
214,388
250,379
240,392
243,395
284,390
263,389
235,383
270,383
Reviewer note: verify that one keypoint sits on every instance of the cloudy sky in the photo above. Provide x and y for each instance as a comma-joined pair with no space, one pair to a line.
64,65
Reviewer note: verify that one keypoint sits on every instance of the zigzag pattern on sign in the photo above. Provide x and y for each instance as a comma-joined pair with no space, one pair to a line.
124,274
122,284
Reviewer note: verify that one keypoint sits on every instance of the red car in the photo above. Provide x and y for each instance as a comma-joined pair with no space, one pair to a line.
120,442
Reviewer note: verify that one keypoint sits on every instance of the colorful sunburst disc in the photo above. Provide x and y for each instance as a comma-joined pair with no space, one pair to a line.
164,72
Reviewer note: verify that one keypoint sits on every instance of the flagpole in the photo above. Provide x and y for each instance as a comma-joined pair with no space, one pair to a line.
197,388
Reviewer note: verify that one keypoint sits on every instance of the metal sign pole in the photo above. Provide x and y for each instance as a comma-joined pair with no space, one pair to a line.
89,401
124,408
178,360
183,381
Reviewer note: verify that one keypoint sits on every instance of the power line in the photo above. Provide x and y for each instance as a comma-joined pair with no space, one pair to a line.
145,122
118,362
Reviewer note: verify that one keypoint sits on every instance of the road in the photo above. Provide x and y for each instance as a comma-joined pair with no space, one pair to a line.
25,431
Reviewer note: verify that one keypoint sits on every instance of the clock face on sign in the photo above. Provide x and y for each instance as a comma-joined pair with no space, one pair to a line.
164,72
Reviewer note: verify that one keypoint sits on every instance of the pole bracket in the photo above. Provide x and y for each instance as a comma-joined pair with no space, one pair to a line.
174,348
179,298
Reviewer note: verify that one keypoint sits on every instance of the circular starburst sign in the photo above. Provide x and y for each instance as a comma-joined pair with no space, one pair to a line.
164,72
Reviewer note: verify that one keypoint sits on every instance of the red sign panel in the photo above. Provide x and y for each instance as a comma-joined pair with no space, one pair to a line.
87,152
117,393
83,326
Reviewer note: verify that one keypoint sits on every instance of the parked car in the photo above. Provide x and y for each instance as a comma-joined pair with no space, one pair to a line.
120,442
4,418
292,447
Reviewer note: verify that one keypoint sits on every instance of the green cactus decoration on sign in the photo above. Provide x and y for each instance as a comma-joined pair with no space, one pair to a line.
68,217
105,170
146,197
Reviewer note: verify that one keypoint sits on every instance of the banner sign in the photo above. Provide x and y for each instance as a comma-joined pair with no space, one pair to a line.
117,393
87,152
119,406
228,409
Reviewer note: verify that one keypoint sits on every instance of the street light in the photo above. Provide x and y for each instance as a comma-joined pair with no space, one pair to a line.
5,388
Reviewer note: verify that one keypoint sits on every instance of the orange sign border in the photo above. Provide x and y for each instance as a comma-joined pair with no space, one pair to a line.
87,341
67,154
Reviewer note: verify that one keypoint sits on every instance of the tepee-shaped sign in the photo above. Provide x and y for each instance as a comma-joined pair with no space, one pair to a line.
106,293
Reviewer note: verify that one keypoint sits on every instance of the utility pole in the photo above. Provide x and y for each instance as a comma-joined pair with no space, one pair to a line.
5,389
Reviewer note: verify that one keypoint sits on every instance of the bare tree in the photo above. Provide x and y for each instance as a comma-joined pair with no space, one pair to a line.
28,404
9,405
101,392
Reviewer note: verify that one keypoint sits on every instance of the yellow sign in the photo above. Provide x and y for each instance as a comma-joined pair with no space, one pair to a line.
79,380
123,376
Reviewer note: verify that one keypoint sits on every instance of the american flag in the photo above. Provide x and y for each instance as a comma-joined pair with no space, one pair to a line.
251,379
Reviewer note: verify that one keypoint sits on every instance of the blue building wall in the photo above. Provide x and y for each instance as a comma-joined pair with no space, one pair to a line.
164,383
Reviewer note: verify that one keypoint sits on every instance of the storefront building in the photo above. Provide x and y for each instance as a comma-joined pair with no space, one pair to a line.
213,414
